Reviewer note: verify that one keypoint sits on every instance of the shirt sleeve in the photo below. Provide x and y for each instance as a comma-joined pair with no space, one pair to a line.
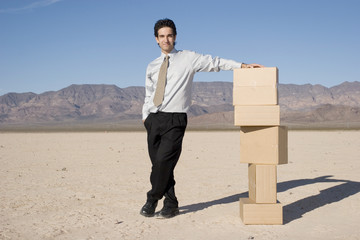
149,89
207,63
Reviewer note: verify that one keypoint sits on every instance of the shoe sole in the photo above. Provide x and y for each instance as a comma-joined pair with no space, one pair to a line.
169,215
147,215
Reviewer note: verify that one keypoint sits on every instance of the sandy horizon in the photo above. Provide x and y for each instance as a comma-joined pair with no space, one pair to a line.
91,185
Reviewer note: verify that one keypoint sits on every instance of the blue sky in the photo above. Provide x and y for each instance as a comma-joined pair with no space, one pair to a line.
46,45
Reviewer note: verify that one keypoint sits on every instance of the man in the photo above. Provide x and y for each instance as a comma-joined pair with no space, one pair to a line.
164,111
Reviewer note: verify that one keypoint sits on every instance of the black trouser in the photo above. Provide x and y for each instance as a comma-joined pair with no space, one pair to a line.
165,132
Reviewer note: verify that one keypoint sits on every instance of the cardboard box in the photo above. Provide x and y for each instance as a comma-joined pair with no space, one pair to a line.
260,213
260,95
262,183
257,115
254,77
264,145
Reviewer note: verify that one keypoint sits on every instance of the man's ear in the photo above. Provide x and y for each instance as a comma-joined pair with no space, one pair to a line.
157,40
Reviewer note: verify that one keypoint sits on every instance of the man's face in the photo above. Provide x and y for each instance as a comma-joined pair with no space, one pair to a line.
166,39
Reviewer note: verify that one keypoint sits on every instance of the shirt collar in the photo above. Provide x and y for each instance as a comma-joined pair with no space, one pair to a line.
172,53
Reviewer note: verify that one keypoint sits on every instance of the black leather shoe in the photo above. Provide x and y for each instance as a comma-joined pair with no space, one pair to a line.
148,210
169,212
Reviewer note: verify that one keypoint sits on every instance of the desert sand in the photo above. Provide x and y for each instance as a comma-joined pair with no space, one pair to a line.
91,185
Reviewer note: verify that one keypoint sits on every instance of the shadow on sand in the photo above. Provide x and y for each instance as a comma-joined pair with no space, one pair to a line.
296,209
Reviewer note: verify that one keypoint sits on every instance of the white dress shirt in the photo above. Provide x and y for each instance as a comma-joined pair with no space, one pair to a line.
183,65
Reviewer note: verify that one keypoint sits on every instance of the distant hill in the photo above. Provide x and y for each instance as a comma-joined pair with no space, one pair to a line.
111,107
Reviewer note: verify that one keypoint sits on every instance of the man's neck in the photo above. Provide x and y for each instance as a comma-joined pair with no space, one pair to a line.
166,53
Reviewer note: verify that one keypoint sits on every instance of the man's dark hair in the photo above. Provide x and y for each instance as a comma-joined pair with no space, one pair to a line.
164,23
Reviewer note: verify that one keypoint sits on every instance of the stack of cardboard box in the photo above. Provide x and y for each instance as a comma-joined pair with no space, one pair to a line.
263,142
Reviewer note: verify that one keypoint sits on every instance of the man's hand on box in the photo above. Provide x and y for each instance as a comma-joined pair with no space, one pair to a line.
252,65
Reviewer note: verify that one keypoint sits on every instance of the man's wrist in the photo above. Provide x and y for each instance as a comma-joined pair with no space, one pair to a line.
243,65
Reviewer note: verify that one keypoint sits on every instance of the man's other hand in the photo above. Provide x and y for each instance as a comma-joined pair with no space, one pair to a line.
253,65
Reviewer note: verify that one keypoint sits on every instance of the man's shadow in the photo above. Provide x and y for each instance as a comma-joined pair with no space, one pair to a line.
296,209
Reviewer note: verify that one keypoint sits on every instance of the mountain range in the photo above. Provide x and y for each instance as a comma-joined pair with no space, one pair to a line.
110,107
